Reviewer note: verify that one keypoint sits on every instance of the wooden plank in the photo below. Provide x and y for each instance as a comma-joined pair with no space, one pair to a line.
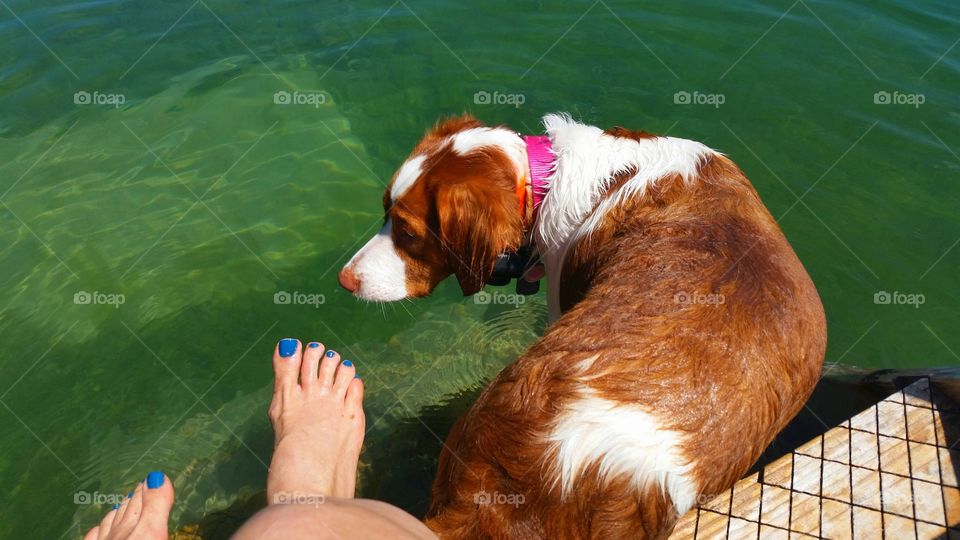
888,472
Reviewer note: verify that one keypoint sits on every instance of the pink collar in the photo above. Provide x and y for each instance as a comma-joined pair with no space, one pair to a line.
541,158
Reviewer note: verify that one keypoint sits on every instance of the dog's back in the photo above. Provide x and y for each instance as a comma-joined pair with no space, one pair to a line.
691,335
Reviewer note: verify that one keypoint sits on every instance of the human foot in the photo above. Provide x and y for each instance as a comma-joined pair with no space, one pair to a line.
318,423
142,515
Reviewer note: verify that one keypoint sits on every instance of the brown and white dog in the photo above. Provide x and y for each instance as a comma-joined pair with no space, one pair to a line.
686,334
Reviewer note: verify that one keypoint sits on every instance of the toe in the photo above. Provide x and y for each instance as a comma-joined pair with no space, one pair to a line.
92,534
353,402
157,496
129,514
328,368
286,364
121,510
311,359
107,523
346,372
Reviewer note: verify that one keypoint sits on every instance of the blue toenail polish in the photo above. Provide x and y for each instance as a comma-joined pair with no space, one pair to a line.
314,345
287,347
155,479
331,353
130,495
348,363
116,506
356,375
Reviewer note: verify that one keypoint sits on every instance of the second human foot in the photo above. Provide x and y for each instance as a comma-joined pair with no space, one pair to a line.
142,515
318,422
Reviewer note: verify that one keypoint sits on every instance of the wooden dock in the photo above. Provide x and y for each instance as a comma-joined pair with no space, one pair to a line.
889,472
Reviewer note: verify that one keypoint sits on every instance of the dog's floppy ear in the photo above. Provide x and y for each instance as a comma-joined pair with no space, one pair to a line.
478,222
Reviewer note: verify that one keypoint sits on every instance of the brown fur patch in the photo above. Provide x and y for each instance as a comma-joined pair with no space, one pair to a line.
443,129
637,135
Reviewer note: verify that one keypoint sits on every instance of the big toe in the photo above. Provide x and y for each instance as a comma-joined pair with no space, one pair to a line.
157,502
286,364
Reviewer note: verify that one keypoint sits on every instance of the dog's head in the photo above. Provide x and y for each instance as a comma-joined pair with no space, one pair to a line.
451,208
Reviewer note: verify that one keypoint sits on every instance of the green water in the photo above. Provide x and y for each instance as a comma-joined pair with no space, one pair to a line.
198,199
